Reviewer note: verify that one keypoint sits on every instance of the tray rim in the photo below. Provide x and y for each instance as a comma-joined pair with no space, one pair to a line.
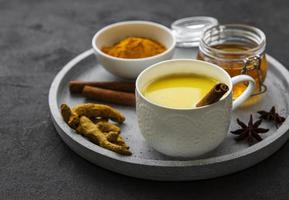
56,117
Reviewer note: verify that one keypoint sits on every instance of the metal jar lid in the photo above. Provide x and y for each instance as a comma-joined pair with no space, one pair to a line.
188,31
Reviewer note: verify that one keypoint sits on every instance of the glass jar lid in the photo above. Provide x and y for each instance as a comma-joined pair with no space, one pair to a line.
188,31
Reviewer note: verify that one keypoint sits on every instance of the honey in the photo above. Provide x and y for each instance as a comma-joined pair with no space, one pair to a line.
234,61
238,49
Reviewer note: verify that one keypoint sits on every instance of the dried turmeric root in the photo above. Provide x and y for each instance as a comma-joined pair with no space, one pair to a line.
90,130
90,110
107,127
91,120
98,110
71,118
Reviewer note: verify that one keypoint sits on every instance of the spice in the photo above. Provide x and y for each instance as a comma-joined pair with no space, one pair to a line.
111,140
82,117
109,96
214,95
134,47
272,116
71,116
249,132
77,86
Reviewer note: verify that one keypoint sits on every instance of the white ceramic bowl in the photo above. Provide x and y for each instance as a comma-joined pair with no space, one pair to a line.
131,68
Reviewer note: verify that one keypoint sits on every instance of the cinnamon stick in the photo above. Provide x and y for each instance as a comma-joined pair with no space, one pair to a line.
214,95
77,85
109,96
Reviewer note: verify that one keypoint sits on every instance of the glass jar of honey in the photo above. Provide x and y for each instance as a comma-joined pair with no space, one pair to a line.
239,49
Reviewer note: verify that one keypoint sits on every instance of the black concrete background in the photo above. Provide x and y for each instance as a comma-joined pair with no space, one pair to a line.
38,37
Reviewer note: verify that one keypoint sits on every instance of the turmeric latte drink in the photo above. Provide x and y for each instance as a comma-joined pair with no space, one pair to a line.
179,91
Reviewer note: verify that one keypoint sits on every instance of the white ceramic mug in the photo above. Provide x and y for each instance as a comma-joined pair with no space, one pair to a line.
187,132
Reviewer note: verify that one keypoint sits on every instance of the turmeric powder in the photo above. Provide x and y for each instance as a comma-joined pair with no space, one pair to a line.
134,47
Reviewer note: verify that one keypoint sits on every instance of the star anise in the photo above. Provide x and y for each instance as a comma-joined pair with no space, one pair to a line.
272,116
249,132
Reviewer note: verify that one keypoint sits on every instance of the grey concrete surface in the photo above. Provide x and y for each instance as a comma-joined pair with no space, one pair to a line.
38,37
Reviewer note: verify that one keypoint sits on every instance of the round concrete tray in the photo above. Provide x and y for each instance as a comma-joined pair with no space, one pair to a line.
147,163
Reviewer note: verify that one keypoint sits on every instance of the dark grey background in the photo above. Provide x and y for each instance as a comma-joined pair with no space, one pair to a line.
38,37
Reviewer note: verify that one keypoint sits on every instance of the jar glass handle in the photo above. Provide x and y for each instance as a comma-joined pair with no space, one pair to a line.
255,62
247,93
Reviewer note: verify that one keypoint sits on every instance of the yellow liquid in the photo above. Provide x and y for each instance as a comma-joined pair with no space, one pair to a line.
179,91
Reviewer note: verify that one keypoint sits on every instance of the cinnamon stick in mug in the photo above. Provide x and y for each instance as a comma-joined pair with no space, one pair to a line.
77,85
214,95
109,96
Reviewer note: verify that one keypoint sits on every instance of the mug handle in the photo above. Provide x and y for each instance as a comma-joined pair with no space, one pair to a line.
247,93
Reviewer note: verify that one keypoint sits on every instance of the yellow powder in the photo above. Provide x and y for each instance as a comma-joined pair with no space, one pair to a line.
134,47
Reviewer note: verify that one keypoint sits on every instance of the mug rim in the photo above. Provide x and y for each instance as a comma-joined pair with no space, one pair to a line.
182,60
